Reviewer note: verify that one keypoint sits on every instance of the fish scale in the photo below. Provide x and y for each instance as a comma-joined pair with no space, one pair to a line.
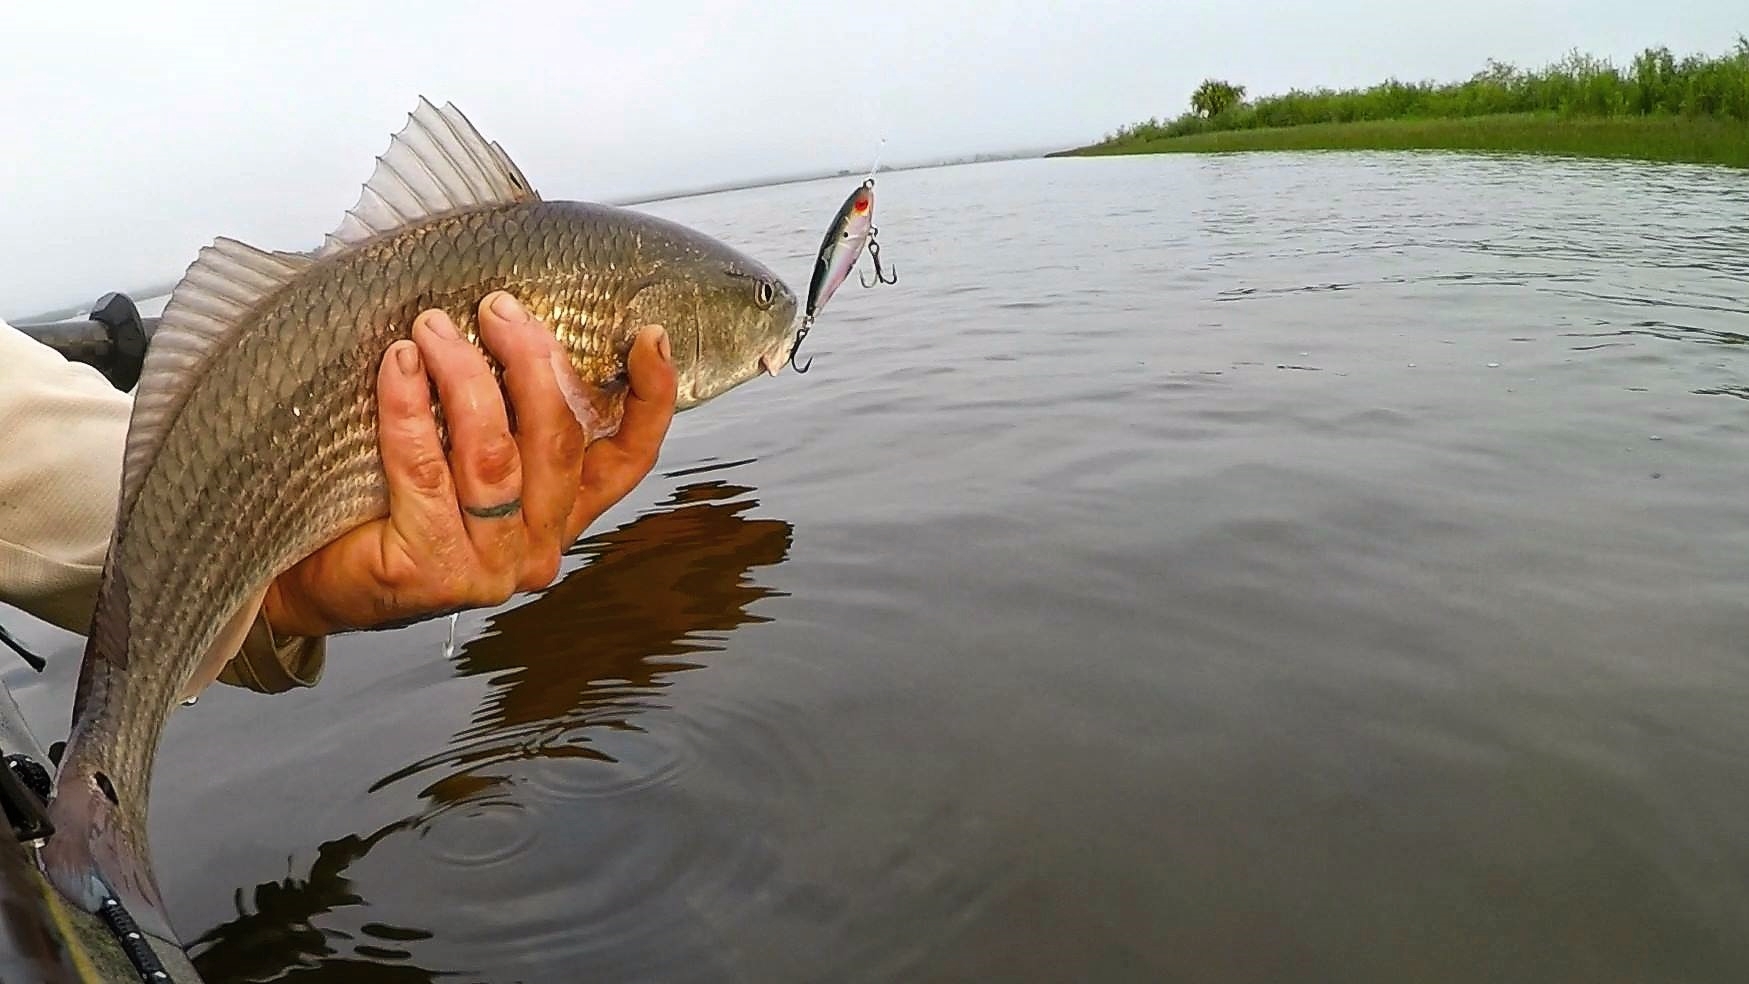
253,440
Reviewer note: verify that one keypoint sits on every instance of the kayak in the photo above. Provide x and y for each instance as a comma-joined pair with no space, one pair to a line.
42,937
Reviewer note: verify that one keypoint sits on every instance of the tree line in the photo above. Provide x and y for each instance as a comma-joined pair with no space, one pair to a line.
1656,83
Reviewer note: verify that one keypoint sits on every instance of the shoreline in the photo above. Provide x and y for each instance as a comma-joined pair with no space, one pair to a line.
1660,139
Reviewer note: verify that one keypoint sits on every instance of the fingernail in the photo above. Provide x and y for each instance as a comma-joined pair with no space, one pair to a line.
508,308
407,357
440,324
662,347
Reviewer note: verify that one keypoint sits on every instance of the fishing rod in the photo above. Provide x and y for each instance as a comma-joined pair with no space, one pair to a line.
112,339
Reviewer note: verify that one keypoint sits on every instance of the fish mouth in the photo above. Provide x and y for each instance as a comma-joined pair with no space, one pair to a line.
773,360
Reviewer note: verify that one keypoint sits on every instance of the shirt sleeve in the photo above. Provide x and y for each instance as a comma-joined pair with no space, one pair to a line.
62,431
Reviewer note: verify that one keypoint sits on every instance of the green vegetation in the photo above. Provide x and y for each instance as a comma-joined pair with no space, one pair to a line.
1651,138
1657,108
1214,98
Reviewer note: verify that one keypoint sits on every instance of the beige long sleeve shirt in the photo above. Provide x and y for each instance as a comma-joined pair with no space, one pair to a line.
62,431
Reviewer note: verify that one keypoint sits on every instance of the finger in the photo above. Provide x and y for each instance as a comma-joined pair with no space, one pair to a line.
484,460
423,531
614,466
548,435
422,497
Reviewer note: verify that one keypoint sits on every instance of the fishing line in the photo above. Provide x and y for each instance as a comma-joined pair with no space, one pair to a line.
150,292
874,113
876,166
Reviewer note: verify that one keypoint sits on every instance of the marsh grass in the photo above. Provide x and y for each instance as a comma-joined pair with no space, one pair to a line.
1652,138
1657,108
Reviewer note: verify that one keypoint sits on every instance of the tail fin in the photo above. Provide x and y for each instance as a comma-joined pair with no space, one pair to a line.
94,854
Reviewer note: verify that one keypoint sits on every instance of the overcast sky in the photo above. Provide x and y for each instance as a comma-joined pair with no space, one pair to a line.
136,132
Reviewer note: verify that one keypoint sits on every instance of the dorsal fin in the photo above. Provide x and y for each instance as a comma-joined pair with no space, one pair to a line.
438,163
223,284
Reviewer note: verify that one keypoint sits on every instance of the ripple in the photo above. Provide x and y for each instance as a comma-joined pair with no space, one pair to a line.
1740,392
606,855
479,833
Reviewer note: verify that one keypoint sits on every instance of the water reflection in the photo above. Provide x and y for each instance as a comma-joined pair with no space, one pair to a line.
275,937
595,649
591,652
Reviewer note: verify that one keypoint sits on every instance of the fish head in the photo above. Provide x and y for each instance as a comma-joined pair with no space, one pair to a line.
729,319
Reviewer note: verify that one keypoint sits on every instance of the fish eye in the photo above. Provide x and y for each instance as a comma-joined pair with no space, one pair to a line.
765,293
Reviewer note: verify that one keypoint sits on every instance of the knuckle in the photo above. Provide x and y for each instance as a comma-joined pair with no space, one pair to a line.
461,372
397,404
529,343
426,471
510,347
496,461
407,585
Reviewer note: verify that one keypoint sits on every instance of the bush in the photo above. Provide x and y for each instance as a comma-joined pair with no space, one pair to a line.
1579,85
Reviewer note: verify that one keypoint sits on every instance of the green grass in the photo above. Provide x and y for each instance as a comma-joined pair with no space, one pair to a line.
1658,108
1649,138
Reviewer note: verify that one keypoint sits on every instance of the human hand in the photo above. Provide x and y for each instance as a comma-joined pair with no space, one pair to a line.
491,519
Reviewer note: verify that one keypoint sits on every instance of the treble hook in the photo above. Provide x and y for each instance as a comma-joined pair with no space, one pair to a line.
874,253
801,333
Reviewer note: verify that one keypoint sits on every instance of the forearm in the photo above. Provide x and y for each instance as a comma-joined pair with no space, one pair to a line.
63,429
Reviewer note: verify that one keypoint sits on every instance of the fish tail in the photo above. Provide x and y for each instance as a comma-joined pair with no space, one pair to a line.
90,859
97,852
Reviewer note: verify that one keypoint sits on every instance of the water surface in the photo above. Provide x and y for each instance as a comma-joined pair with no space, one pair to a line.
1219,569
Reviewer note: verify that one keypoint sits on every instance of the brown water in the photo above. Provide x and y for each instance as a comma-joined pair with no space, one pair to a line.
1315,568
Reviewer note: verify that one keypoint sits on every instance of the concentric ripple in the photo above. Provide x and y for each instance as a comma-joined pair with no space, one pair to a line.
478,833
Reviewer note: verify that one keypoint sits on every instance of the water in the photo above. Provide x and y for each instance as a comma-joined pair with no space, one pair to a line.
1221,569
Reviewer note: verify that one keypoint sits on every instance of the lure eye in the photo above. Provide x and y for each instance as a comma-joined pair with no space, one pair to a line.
765,293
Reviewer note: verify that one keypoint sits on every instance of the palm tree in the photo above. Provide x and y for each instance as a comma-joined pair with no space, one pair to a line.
1215,97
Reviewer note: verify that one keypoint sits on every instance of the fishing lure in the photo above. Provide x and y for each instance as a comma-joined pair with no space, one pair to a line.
852,230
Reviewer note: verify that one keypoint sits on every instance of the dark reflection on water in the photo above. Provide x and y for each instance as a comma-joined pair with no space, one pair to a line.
594,651
275,938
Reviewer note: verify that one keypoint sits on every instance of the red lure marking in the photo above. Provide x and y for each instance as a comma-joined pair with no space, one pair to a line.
861,206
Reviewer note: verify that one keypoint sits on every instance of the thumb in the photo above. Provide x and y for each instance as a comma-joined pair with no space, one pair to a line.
612,467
